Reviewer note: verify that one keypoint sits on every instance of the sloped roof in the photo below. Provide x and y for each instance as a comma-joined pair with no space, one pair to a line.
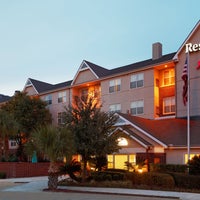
4,98
102,72
142,64
99,71
41,86
171,131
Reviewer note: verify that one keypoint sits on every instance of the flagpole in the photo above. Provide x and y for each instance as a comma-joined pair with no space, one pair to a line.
188,111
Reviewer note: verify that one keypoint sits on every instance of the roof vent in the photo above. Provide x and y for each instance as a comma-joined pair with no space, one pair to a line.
156,50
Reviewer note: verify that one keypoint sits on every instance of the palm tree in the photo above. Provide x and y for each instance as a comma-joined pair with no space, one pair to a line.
55,143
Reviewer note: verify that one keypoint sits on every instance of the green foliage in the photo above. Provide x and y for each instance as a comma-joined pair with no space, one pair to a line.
92,129
186,181
52,141
99,162
71,168
108,176
28,112
168,168
194,165
2,175
153,179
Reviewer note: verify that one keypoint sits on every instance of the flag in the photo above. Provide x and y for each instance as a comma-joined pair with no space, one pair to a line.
198,67
185,79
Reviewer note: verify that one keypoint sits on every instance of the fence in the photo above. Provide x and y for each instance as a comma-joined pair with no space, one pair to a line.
24,169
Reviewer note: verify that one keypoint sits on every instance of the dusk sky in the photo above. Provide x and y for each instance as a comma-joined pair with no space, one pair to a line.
47,40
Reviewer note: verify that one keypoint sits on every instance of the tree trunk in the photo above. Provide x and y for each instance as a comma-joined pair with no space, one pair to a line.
53,176
84,174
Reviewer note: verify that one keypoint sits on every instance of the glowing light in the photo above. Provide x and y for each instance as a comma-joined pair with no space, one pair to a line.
122,141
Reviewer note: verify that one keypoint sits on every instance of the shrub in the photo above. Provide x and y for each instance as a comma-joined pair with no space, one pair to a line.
153,179
108,175
194,165
2,175
168,168
186,181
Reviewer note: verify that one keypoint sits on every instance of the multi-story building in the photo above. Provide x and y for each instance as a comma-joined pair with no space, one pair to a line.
148,98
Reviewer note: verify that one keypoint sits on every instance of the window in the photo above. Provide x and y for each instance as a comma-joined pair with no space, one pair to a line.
115,108
48,99
169,105
191,156
12,144
168,77
62,97
137,107
61,117
137,80
115,85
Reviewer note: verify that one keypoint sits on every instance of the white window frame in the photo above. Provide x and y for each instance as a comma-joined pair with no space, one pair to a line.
62,97
115,108
137,107
168,77
169,104
137,80
48,99
114,85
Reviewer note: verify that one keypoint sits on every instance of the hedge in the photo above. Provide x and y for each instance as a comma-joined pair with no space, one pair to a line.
153,179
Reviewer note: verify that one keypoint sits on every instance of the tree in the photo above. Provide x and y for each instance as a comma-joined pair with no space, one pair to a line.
92,129
8,127
194,165
29,113
56,143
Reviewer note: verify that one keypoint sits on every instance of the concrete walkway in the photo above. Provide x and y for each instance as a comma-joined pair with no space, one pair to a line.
36,184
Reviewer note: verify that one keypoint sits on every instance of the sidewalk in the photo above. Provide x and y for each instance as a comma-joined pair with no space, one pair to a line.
35,184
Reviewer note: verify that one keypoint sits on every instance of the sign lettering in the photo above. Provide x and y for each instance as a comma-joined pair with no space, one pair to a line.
192,47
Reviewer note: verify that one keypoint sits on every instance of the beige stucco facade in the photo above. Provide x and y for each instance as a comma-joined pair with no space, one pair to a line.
159,95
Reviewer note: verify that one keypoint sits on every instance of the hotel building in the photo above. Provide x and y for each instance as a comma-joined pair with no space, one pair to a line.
147,95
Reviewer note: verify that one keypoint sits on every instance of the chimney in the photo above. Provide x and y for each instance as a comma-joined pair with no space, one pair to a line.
156,50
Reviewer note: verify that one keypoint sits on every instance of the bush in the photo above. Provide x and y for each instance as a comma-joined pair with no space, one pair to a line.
194,165
186,181
168,168
153,179
108,176
2,175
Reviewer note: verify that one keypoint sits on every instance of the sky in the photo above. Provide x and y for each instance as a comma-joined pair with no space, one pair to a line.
47,40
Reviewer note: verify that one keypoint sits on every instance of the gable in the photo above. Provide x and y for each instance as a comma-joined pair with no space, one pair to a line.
84,75
190,42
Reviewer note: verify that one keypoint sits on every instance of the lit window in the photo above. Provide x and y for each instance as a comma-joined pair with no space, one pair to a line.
114,85
48,99
62,97
110,161
168,77
61,117
169,105
122,141
137,80
115,108
191,156
137,107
